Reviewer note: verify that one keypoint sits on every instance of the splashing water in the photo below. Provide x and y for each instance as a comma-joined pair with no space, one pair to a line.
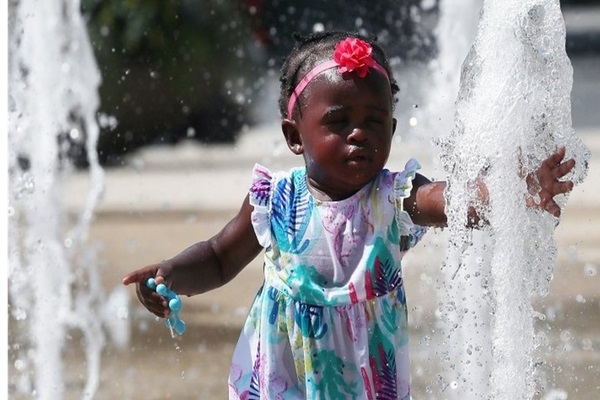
53,81
513,110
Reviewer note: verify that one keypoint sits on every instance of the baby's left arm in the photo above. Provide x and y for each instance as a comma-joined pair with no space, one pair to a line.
426,204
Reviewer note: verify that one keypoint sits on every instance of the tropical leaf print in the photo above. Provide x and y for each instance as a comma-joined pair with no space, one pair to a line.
308,284
387,375
383,269
382,360
310,320
352,293
273,296
276,303
366,382
260,189
331,384
389,316
254,389
393,234
291,210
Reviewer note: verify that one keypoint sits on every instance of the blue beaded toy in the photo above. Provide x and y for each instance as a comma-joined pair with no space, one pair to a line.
174,323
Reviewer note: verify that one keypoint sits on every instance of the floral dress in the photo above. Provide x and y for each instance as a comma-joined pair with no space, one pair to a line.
330,321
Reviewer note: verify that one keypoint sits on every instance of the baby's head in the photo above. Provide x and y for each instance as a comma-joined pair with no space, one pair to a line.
337,100
316,49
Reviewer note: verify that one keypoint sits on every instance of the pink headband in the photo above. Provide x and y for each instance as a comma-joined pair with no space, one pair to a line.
350,54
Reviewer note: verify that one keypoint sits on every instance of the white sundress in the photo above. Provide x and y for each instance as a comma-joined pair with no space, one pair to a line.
330,321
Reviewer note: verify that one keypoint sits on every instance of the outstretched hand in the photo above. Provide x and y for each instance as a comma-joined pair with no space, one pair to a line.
544,183
154,302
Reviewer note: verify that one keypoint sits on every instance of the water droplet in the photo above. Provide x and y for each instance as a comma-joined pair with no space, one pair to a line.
25,185
586,344
20,365
565,336
590,269
19,314
539,316
74,134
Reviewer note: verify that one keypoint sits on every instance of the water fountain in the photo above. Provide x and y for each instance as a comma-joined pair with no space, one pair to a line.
53,279
513,110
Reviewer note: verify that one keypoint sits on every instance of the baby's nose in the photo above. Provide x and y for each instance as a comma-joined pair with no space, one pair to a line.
358,134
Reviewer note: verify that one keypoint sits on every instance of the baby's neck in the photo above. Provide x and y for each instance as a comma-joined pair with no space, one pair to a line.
323,194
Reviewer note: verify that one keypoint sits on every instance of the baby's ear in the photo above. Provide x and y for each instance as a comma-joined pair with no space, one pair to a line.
292,136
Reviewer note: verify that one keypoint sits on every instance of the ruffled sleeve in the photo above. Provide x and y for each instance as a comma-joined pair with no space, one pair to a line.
410,233
260,195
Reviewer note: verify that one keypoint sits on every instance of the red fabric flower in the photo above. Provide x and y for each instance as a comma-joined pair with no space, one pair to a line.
353,54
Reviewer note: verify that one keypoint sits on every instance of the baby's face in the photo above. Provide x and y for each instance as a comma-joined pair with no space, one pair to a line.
346,126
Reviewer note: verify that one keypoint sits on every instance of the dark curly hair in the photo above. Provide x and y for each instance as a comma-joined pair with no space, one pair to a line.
317,47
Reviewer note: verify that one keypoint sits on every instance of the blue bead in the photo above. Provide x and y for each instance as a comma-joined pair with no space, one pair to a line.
162,289
173,321
175,304
151,284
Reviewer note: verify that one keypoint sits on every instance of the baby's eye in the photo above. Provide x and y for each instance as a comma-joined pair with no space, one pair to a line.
336,123
374,120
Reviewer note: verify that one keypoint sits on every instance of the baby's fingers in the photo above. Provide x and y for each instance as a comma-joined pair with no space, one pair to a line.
564,168
153,302
141,275
562,187
553,208
555,158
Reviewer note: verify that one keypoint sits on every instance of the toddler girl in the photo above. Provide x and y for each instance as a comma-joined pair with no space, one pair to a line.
330,321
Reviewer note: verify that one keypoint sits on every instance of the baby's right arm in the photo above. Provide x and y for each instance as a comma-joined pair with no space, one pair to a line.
426,204
203,266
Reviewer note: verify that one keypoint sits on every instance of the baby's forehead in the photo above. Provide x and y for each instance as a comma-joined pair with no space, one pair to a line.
332,84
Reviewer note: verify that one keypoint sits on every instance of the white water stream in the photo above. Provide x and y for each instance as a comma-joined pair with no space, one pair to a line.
513,110
53,82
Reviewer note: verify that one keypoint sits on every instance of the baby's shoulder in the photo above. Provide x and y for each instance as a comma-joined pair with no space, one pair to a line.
266,183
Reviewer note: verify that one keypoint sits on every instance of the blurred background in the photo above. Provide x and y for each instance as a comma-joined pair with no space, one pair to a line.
173,70
188,104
